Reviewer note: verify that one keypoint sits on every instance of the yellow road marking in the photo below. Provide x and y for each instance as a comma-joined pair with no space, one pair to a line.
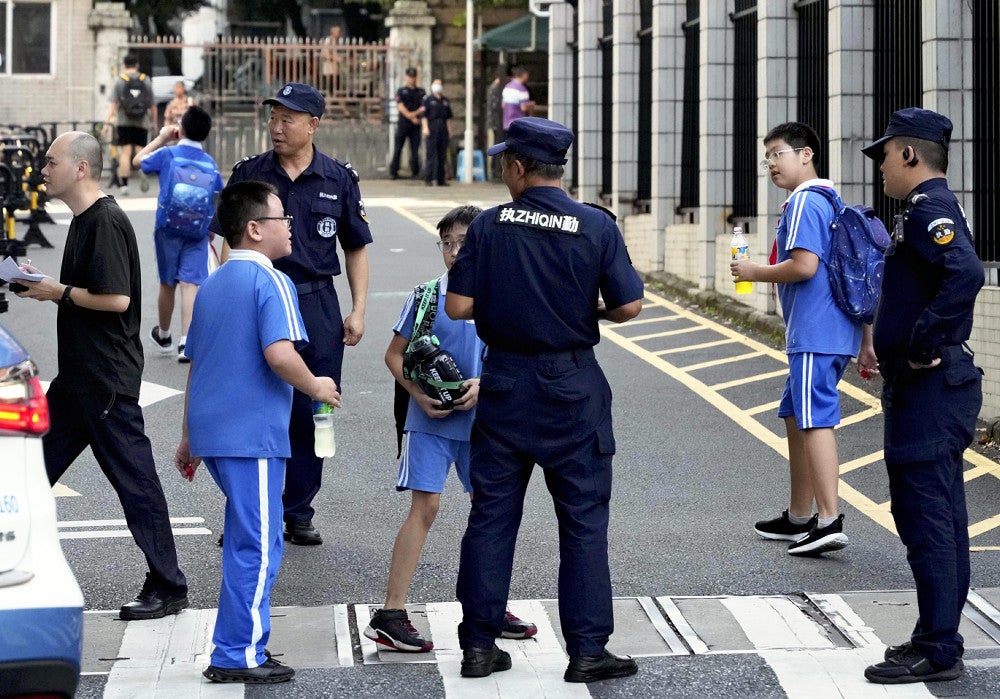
667,333
658,319
878,512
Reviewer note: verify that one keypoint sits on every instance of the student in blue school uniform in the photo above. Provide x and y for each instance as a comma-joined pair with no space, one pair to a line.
433,440
243,344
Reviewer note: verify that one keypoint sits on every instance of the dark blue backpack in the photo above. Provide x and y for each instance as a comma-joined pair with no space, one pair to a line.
856,259
188,208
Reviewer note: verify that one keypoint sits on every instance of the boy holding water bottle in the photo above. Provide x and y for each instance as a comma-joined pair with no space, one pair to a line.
820,341
236,411
434,438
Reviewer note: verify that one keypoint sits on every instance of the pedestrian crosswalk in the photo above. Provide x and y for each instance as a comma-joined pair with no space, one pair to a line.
816,645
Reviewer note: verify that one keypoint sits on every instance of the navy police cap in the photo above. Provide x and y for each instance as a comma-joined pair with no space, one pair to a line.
913,122
536,138
300,97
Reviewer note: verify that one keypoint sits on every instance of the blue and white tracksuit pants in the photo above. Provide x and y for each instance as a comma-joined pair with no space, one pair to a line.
251,554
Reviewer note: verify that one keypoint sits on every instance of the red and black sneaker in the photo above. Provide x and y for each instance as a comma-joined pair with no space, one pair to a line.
392,628
517,628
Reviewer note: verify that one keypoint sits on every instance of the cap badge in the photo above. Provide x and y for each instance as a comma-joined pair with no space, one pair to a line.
287,91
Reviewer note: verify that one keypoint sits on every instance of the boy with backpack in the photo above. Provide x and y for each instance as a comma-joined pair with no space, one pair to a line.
131,102
189,182
434,438
820,341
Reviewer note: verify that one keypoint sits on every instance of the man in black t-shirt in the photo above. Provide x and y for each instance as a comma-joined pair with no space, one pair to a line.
94,399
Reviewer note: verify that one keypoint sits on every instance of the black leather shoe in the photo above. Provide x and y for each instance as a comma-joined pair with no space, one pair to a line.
153,604
268,672
910,666
483,662
599,667
302,533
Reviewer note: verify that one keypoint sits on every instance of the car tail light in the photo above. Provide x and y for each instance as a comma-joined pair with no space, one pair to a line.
23,407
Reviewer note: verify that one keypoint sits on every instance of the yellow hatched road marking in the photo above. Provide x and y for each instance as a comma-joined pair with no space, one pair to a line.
878,512
658,319
667,333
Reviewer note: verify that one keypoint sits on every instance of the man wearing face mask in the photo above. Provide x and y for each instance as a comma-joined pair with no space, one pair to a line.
437,133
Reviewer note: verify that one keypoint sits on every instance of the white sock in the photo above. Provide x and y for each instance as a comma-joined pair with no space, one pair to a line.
796,519
827,521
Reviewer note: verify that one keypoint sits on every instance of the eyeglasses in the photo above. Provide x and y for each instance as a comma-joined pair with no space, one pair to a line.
772,159
286,219
448,245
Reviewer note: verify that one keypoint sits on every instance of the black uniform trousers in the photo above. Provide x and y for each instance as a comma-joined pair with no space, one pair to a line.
930,418
406,130
112,426
553,410
436,150
324,355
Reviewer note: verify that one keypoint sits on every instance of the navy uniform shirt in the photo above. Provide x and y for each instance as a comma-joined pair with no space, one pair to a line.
326,206
932,276
534,269
437,108
410,97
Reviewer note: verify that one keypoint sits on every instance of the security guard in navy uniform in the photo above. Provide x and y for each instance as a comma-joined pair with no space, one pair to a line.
437,133
536,275
932,390
410,105
322,196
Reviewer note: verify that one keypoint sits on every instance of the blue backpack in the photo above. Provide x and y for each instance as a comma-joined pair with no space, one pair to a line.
188,208
856,259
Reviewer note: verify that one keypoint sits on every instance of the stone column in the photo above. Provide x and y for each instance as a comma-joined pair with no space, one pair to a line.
110,22
410,24
589,117
625,111
561,60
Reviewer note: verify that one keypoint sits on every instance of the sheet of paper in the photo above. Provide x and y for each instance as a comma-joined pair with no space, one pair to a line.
9,271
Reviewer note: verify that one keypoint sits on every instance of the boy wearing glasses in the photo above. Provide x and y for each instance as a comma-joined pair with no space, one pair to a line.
247,324
433,440
820,341
181,260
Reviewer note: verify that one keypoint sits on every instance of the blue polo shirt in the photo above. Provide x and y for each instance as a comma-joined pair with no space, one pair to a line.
326,206
813,321
459,339
535,267
237,405
159,161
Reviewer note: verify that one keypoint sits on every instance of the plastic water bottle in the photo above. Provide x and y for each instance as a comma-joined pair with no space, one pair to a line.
741,251
326,443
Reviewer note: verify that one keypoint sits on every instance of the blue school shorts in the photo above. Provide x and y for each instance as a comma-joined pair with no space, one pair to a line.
426,459
811,389
180,259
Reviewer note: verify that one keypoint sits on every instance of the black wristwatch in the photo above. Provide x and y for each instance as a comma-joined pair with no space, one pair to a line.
66,300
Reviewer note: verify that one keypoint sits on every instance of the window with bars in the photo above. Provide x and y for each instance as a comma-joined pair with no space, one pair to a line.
607,97
744,110
813,102
689,194
986,130
644,154
897,77
25,37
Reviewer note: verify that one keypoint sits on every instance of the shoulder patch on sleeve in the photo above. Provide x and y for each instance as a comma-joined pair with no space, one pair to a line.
942,230
352,171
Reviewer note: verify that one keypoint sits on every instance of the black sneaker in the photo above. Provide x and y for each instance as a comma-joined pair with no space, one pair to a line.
268,672
782,529
162,343
392,628
909,667
821,539
514,627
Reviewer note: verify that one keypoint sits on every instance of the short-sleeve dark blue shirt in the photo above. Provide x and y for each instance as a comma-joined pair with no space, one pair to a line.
437,108
326,206
410,97
932,277
534,269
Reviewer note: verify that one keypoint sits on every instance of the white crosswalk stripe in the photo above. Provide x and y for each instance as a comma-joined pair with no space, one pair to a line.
817,645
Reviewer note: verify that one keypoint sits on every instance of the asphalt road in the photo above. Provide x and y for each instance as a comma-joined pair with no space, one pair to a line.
689,483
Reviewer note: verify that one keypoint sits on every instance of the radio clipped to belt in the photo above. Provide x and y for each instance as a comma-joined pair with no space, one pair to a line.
424,362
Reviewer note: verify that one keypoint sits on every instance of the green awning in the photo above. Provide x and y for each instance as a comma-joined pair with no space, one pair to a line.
528,33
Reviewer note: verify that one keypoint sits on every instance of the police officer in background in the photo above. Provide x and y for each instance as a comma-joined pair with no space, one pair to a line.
410,104
536,275
437,132
932,390
322,196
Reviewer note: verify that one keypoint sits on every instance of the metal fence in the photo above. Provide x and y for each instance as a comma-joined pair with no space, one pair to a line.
239,72
690,164
744,111
607,98
644,154
986,130
813,104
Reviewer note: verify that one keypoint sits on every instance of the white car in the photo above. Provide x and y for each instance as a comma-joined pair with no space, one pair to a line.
41,606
